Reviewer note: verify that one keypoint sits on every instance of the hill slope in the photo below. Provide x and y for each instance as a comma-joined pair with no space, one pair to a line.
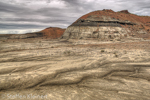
137,26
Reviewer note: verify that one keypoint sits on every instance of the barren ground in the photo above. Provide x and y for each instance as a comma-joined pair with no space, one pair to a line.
74,70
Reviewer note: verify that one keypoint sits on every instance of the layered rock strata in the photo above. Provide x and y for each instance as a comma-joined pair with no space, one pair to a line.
101,28
104,25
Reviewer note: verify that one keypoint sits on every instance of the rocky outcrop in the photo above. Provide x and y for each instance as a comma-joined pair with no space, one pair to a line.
102,33
125,11
107,24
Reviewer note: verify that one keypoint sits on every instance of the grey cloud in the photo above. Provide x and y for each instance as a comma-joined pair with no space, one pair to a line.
136,5
53,12
10,8
54,15
77,4
16,10
72,2
47,20
20,26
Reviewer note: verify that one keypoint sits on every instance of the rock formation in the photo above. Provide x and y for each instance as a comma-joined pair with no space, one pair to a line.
107,24
52,32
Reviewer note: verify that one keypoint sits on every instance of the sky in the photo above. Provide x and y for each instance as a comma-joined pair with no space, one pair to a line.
24,16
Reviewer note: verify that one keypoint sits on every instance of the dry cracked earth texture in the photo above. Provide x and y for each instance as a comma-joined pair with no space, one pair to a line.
74,70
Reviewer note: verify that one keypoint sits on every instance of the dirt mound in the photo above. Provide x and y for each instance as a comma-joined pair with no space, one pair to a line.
52,32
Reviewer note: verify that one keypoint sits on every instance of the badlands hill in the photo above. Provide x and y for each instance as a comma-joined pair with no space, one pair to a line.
52,32
105,24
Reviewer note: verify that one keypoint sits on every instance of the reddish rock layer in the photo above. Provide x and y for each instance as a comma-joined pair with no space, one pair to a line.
52,32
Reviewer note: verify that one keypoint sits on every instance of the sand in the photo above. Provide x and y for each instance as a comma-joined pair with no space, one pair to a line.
74,70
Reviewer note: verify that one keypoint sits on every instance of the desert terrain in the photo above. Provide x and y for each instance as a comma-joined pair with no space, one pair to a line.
103,55
74,69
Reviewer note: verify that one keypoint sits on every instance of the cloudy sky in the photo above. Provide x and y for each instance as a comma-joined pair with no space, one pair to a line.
22,16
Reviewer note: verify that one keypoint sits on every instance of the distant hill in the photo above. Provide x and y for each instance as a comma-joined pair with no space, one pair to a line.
51,33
